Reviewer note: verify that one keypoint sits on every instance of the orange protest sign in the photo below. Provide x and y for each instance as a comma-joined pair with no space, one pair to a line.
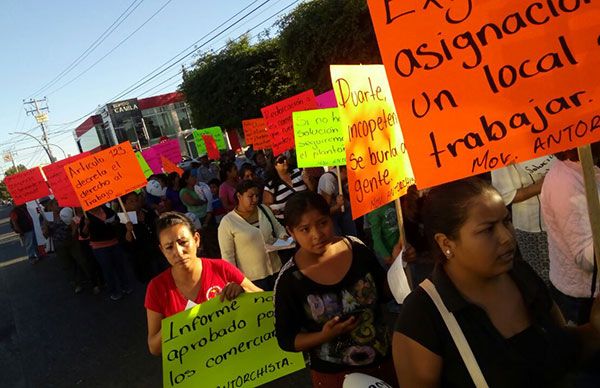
278,118
250,126
379,170
479,85
59,182
27,186
262,140
169,167
105,175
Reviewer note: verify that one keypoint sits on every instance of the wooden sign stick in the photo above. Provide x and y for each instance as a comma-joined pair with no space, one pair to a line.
591,193
340,188
403,239
126,215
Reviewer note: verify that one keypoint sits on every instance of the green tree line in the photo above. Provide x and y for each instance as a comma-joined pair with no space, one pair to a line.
223,88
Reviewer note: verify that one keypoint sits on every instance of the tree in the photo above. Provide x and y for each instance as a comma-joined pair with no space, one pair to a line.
232,85
11,171
324,32
14,170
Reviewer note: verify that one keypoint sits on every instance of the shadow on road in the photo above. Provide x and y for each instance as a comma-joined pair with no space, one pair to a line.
50,337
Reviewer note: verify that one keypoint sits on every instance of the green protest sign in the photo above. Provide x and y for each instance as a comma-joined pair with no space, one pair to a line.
319,138
216,133
225,344
144,165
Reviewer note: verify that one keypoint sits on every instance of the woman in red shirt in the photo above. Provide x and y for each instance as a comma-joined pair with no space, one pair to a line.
190,280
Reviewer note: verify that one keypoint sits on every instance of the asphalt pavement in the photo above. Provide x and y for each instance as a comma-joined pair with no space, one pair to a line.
50,337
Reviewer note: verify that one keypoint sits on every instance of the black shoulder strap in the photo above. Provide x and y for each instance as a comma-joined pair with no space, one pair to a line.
262,209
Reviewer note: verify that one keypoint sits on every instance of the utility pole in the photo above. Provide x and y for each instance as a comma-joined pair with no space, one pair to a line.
41,118
8,157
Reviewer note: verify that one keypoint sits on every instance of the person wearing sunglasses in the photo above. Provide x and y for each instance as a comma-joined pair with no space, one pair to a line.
283,181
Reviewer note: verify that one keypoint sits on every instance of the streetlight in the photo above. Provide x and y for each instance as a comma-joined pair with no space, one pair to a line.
60,148
50,156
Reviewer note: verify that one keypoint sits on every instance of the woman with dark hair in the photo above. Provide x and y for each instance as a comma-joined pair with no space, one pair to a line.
484,318
190,280
243,234
328,297
140,241
229,181
246,172
190,198
101,224
283,182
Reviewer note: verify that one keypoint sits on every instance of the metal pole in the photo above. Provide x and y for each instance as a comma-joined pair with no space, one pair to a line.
48,150
52,160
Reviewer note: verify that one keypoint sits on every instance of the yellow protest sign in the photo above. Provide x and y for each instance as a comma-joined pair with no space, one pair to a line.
379,170
479,85
225,344
319,138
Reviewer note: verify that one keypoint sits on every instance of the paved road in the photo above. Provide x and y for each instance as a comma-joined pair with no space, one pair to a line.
50,337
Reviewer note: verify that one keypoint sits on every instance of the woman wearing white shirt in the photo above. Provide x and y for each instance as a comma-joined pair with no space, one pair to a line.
520,186
572,264
243,233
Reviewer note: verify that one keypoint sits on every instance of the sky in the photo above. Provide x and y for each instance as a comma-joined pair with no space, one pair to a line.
44,40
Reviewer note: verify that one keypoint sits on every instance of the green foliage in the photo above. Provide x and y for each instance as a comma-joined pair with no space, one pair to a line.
12,170
324,32
232,85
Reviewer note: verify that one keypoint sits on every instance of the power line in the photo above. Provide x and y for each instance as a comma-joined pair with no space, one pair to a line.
134,87
92,47
112,50
222,47
138,84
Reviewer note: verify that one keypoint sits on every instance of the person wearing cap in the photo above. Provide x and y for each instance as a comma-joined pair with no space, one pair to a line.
156,191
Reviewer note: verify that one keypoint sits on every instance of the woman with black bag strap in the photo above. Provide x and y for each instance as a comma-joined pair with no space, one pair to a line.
243,233
484,317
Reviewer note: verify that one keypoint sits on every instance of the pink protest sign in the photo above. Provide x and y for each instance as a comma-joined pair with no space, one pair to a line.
153,160
327,100
169,149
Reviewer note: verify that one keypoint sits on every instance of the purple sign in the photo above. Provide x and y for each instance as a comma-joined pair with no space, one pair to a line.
327,100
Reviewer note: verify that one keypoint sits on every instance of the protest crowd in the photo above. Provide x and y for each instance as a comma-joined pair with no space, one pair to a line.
332,297
445,269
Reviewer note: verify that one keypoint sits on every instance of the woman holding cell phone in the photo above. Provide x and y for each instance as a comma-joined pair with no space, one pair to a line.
328,296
